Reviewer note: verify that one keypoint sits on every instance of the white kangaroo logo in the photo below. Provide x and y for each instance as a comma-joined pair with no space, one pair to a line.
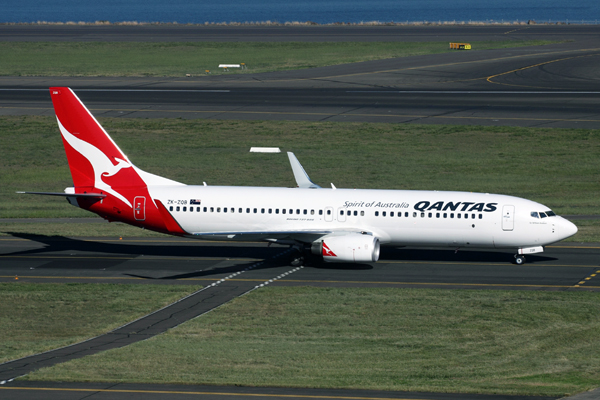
100,162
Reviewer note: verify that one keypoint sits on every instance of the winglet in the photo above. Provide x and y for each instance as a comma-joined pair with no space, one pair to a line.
302,178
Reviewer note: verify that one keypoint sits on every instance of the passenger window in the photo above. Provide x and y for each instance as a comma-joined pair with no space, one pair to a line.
473,216
422,215
458,216
197,209
451,215
270,210
191,209
391,213
240,210
232,209
184,208
177,209
377,213
445,215
291,211
383,213
277,211
406,214
218,209
305,212
312,212
247,210
437,215
341,212
430,215
355,213
255,210
328,212
297,211
171,208
225,210
480,216
362,213
320,212
414,215
262,210
283,210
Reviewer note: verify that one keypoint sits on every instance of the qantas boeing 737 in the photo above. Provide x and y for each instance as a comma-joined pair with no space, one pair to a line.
341,225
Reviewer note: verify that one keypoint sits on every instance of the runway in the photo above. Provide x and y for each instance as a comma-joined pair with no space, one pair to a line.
551,86
564,266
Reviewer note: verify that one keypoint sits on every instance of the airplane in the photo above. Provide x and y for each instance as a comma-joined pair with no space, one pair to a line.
339,225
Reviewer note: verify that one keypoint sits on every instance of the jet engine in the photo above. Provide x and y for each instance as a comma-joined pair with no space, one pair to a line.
353,247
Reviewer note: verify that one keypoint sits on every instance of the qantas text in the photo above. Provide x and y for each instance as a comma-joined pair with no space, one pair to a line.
456,206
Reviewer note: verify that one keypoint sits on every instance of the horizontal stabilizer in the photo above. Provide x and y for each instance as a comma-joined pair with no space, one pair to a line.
89,195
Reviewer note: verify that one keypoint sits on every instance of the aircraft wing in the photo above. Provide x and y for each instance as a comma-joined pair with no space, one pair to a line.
275,236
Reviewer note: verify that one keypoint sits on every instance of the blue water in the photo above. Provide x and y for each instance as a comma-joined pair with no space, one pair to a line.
320,11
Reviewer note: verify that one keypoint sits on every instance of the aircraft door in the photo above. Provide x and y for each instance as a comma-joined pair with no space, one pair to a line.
508,218
139,208
328,214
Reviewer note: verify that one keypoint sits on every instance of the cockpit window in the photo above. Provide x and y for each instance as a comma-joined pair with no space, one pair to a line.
545,214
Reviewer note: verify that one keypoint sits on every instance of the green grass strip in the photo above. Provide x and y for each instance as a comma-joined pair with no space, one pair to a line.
179,59
40,317
502,342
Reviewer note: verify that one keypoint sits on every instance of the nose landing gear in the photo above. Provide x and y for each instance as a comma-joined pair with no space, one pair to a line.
519,259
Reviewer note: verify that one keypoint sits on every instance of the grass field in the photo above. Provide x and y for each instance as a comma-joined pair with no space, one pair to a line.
40,317
505,342
179,59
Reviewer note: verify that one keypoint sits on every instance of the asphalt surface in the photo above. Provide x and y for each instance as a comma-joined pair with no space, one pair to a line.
291,33
564,266
551,86
99,391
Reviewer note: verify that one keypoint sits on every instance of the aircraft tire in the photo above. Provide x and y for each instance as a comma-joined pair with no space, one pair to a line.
519,260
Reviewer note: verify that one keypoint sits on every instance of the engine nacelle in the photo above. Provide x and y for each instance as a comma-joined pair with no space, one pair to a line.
353,247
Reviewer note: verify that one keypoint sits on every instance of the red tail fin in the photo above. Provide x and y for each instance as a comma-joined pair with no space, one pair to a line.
94,159
98,166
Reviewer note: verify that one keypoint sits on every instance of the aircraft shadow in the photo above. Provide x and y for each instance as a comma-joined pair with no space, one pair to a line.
61,243
214,271
449,255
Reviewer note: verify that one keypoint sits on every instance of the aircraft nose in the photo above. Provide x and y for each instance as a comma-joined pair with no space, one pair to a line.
567,228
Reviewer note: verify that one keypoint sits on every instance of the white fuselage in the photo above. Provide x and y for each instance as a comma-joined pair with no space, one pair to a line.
396,217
